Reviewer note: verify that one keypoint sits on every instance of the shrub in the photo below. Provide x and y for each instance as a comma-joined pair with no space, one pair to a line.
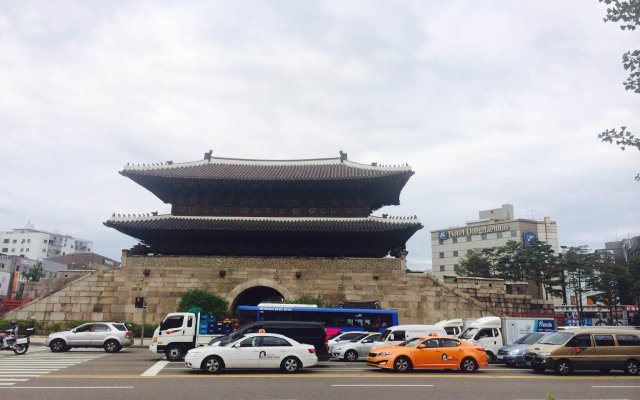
208,302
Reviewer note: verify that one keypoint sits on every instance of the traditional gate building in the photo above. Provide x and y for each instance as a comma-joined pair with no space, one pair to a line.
255,230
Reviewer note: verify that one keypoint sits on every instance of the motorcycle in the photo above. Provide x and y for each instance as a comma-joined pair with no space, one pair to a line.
18,345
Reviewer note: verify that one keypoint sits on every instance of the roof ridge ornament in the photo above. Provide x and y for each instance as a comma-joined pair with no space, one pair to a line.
207,155
343,156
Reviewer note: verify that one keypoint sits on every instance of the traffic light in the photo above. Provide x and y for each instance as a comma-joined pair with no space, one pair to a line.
140,303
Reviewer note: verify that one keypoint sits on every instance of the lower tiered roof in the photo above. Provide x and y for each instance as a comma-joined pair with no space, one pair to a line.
264,236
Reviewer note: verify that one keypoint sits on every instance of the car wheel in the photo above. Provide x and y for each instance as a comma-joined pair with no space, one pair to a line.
20,349
111,346
402,364
468,365
213,365
351,355
632,367
57,346
538,370
492,358
291,365
564,367
173,353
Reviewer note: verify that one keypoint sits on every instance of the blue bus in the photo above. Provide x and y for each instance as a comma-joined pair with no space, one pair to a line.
335,320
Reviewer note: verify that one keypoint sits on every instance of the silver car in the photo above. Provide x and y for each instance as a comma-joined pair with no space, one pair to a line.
111,336
351,350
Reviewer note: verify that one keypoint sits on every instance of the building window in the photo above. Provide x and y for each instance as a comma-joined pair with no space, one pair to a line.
441,254
469,252
6,241
483,236
455,266
499,235
469,238
27,250
5,249
22,250
22,241
13,250
15,241
44,251
455,240
440,241
442,268
514,234
455,253
45,241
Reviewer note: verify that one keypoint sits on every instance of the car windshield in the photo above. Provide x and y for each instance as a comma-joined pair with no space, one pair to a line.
469,333
411,342
556,338
529,338
384,335
359,337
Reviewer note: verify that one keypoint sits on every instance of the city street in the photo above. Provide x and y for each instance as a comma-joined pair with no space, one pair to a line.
136,373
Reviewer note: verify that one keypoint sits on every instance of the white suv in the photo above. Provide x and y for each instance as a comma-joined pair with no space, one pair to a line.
111,336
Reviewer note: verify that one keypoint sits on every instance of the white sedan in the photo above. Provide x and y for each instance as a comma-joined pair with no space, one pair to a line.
254,350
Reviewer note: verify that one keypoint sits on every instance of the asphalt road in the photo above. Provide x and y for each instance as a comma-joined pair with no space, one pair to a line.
136,373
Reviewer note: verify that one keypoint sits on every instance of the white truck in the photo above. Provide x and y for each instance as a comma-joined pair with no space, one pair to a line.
181,331
455,327
492,333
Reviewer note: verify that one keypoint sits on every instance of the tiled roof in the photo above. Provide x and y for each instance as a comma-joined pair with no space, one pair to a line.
266,170
273,224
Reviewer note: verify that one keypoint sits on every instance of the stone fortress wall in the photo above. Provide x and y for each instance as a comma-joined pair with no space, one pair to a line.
418,297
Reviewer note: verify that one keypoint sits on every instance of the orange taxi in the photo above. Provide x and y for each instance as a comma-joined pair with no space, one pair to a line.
429,353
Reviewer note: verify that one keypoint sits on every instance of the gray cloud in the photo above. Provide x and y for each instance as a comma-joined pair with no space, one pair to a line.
490,102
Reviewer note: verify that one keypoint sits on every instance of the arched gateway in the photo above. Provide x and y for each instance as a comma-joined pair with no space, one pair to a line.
257,291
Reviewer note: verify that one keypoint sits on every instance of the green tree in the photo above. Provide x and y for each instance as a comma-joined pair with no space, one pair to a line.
609,281
633,268
542,267
627,13
577,265
208,302
35,273
477,264
511,262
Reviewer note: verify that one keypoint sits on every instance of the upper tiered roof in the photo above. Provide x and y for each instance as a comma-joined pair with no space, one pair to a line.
382,183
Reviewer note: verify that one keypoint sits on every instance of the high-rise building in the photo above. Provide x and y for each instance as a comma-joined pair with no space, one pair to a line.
494,228
37,245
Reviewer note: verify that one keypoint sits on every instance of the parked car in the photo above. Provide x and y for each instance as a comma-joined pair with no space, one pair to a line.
424,352
586,349
111,336
351,350
254,350
512,355
303,332
346,336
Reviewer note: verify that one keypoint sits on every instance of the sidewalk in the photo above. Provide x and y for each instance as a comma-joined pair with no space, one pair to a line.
40,341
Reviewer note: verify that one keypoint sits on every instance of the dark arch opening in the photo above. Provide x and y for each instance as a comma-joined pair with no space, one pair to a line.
256,295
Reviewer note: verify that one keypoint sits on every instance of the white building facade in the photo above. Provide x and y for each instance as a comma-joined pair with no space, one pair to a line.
494,229
37,245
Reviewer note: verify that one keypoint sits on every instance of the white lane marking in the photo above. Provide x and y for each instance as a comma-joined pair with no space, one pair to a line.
7,383
409,385
156,368
69,387
616,386
13,379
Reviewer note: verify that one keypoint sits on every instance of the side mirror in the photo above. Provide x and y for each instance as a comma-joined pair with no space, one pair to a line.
73,331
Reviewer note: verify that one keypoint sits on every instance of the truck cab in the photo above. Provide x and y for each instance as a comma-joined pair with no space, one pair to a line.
181,331
486,332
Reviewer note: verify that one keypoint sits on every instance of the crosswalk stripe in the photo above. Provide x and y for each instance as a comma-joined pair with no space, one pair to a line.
32,365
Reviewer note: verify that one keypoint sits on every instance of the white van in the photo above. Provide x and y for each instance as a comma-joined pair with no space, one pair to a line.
453,327
399,333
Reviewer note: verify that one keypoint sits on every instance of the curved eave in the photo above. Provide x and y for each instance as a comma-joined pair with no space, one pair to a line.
131,224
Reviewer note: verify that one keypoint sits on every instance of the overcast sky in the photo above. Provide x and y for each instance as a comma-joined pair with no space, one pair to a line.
490,102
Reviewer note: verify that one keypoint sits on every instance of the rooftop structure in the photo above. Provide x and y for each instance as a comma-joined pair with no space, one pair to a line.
224,206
